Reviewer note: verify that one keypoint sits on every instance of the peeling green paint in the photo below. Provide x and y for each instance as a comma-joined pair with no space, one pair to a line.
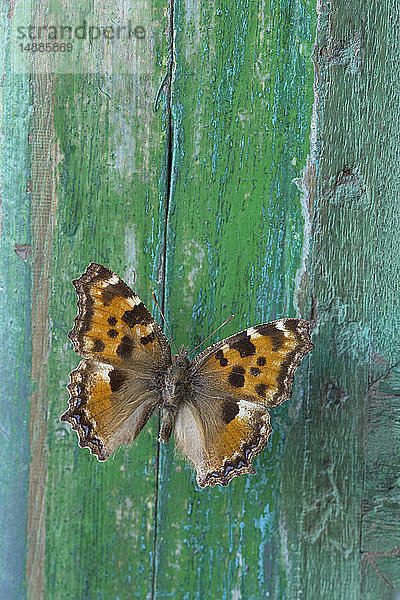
235,221
138,526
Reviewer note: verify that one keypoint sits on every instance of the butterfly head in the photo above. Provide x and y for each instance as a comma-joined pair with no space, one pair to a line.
181,356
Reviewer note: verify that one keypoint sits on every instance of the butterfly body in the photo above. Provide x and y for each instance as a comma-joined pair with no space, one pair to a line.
216,406
176,388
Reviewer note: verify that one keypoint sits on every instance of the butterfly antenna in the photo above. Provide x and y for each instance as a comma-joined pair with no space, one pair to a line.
164,319
211,334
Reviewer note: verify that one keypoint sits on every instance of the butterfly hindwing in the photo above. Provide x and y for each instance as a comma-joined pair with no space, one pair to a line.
107,406
233,383
220,436
116,388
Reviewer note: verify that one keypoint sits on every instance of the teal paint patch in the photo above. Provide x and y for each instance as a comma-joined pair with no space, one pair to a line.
15,332
266,558
342,452
349,190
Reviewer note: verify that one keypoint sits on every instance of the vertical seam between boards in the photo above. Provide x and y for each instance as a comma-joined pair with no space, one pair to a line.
168,188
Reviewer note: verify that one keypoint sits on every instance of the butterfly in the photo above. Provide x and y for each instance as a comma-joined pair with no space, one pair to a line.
216,405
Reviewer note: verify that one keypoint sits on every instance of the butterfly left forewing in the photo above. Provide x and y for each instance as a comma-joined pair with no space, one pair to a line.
233,383
113,325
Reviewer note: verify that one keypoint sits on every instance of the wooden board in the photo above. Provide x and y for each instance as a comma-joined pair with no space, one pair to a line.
196,186
234,245
342,450
15,333
99,155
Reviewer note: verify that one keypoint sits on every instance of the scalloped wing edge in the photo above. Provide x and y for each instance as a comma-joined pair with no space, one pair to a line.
240,464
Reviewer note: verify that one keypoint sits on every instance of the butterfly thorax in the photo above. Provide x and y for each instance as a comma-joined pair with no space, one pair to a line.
175,388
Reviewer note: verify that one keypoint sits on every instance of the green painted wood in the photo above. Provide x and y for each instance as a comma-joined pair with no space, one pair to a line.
89,172
112,189
380,521
15,329
241,104
101,197
98,179
342,451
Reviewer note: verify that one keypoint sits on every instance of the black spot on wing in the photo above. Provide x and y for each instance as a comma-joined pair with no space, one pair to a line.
292,325
229,411
219,355
117,379
236,377
112,333
261,360
112,321
243,345
98,345
115,289
125,348
147,339
276,335
139,315
261,389
254,371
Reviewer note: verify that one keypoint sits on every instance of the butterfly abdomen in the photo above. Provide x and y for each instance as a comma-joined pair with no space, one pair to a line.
175,388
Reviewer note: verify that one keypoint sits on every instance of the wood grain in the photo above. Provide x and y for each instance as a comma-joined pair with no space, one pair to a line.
15,331
111,202
43,206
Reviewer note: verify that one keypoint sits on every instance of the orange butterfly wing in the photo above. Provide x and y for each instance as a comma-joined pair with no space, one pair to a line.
117,386
233,383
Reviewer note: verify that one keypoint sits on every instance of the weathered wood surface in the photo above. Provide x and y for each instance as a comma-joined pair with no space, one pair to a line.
343,447
241,130
189,189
